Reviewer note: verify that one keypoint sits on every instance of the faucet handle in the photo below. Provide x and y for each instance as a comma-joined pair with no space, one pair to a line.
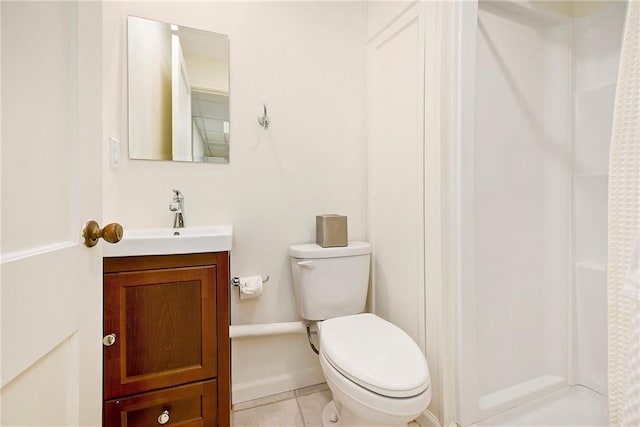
178,194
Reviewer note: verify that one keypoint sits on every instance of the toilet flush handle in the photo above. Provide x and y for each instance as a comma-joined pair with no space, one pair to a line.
307,264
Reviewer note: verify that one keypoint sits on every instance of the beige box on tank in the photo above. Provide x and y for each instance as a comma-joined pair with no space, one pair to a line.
331,230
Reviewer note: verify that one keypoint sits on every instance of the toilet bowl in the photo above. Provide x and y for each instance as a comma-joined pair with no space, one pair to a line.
376,373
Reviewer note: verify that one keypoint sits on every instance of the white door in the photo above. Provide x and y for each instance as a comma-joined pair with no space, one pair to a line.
50,300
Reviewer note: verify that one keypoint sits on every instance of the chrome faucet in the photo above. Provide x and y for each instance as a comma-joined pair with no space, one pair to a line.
177,206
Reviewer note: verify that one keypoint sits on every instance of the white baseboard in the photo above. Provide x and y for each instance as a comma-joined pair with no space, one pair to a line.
427,419
242,392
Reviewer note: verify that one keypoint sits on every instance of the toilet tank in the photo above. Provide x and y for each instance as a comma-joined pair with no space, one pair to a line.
330,282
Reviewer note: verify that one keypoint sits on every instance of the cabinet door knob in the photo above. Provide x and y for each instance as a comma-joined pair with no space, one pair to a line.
109,340
92,232
163,418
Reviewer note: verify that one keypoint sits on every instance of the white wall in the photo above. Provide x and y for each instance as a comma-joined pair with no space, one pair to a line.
597,42
522,64
521,200
515,211
381,14
307,62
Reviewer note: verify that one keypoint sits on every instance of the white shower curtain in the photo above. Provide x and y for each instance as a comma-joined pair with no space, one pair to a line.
624,226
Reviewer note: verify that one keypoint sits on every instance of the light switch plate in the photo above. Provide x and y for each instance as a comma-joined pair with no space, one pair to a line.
114,153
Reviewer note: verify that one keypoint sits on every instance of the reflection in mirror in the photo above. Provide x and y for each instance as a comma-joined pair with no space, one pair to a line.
178,93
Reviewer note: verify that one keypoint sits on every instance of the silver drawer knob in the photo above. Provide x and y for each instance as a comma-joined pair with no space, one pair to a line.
109,340
163,418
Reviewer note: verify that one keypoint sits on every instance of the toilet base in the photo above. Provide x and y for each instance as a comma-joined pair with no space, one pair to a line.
345,418
330,415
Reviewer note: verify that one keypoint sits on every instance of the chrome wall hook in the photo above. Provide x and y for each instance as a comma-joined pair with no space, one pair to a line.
263,119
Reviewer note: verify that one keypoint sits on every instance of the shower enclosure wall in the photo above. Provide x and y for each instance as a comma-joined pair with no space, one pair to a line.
537,95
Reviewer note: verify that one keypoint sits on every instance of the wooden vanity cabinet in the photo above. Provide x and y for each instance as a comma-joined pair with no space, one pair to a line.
166,328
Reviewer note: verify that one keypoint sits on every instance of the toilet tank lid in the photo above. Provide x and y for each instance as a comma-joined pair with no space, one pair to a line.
313,250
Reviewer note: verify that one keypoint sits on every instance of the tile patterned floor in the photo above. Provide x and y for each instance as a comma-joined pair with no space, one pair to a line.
298,408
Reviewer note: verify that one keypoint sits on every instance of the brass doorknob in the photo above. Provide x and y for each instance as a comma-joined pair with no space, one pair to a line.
92,232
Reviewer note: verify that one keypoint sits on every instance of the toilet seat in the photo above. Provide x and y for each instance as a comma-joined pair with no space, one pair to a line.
375,354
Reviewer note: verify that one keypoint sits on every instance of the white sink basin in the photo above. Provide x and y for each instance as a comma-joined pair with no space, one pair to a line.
168,241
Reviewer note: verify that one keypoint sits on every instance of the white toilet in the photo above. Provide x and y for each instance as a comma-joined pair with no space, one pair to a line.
377,374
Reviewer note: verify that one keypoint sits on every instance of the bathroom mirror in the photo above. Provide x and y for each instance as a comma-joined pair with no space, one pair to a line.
178,93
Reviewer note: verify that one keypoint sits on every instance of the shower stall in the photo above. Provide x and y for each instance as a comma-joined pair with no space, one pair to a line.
536,107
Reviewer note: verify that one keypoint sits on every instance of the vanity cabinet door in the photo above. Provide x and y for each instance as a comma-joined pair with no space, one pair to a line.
164,321
189,405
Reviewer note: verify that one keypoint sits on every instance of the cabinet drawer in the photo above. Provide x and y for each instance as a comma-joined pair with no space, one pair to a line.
188,405
165,323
